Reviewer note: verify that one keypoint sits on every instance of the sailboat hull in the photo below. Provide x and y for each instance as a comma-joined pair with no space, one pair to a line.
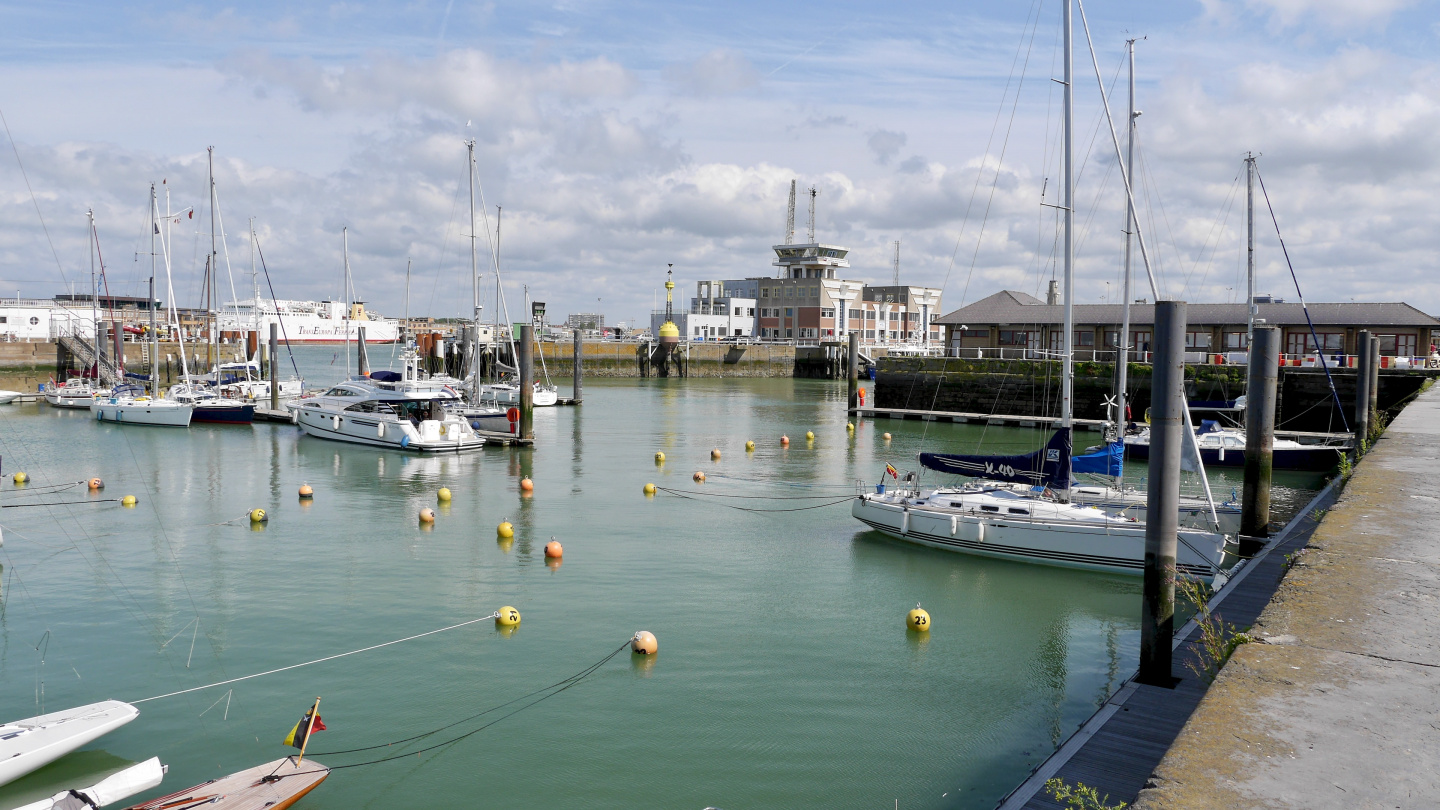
26,745
1069,544
225,414
1310,459
159,412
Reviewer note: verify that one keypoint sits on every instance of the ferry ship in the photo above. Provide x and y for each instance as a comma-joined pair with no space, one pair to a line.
308,321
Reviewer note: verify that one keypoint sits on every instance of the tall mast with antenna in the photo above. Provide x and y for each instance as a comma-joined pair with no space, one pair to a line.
1250,246
1067,372
95,297
474,347
154,336
212,348
1122,344
814,192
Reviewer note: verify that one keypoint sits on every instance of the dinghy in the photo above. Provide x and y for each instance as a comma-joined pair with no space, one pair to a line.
109,790
26,745
272,786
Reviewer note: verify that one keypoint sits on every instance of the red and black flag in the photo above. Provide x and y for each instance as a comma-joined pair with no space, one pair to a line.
302,729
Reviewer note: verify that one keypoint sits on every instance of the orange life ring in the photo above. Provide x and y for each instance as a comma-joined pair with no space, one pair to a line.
513,414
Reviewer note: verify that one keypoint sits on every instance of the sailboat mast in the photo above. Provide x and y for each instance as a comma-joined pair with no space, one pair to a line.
214,347
1122,359
1249,246
1067,370
474,347
154,337
345,285
94,294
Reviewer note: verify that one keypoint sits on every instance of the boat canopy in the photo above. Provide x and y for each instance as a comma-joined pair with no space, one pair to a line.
1108,460
386,376
1049,466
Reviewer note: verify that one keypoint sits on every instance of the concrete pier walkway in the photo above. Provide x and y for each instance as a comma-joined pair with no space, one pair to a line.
1340,707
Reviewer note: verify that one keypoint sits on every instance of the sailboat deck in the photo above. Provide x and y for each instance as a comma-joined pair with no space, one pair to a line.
249,789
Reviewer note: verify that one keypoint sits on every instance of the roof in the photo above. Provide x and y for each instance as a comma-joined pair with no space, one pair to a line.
1009,307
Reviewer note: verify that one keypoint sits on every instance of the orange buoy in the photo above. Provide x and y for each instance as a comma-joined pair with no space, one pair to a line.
554,549
715,454
784,441
887,437
699,477
95,483
644,643
526,485
427,515
306,492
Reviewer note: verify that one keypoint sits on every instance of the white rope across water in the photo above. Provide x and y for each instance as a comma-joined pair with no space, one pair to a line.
317,660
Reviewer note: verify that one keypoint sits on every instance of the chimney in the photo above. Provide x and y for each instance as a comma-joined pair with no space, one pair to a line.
1052,295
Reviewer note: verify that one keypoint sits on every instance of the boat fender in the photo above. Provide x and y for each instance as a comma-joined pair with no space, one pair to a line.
335,422
954,524
380,430
404,441
905,522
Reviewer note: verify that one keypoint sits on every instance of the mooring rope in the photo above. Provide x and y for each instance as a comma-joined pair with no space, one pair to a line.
59,503
316,661
691,495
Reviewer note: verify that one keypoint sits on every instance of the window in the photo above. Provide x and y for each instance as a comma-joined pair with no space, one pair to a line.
989,509
765,292
789,333
1236,341
1397,345
4,319
869,334
1140,340
34,321
1112,338
789,312
827,313
1303,343
789,292
1012,510
869,314
1198,340
1084,338
1014,338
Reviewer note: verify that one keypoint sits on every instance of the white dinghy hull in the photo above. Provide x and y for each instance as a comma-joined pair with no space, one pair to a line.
26,745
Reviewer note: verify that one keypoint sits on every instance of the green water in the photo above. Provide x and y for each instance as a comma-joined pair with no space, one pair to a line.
785,677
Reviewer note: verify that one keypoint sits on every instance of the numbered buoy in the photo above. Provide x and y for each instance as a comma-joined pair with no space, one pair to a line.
749,447
128,500
507,616
20,478
644,643
258,516
659,458
649,489
886,437
809,435
306,492
784,441
95,484
505,529
554,549
918,619
699,477
715,454
526,485
427,515
443,495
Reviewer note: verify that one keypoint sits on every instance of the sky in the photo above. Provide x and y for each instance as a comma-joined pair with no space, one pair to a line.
622,137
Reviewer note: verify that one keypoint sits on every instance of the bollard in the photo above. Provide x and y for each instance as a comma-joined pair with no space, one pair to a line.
1362,388
853,373
1374,386
274,367
527,381
362,360
577,366
1162,508
1260,389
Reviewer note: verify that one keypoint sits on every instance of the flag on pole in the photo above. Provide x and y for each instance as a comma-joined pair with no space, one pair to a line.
889,468
302,729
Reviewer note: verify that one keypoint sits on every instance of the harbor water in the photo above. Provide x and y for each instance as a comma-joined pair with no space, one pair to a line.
785,675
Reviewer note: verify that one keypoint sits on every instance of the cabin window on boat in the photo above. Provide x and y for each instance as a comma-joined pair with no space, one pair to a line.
1015,511
989,509
338,392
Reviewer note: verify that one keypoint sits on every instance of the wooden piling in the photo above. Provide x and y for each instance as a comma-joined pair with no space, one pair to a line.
1361,422
527,381
274,372
576,366
852,372
1157,612
1260,390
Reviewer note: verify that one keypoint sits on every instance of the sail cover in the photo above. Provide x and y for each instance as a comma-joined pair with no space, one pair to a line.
1108,460
1049,466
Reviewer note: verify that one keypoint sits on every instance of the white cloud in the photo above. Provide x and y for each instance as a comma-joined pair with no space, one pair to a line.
1334,14
721,72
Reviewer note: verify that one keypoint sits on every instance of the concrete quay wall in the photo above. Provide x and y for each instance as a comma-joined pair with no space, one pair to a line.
1337,707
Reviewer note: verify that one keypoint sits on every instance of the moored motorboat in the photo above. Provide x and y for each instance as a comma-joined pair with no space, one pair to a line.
75,392
1225,447
32,743
7,397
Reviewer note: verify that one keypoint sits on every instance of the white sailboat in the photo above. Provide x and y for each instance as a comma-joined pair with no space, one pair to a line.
1031,525
73,393
120,785
29,744
128,404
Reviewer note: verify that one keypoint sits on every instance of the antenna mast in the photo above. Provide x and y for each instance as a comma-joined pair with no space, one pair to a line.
790,217
897,263
814,192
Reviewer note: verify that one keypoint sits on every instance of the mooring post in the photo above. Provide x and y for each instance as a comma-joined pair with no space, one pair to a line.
1362,388
274,367
1162,506
100,352
852,374
577,365
1374,386
527,381
362,360
1260,389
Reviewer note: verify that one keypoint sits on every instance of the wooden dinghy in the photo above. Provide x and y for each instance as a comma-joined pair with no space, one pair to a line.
272,786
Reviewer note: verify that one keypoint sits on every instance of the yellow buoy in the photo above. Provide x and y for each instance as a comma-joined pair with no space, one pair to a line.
809,435
784,441
699,477
306,492
258,516
507,616
443,495
644,643
505,529
649,489
659,458
749,447
427,515
554,549
95,484
526,485
887,437
918,619
128,500
850,426
715,454
20,478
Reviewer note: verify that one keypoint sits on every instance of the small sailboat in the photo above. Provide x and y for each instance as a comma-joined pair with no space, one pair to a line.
211,407
272,786
29,744
111,789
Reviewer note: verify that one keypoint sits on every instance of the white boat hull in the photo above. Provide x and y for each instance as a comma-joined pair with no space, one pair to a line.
1108,547
452,435
26,745
1194,512
156,412
7,397
509,395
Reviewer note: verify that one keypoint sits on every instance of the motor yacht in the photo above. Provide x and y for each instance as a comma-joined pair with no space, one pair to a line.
75,392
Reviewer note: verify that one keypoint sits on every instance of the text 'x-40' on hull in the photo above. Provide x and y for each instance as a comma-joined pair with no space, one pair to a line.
1097,545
